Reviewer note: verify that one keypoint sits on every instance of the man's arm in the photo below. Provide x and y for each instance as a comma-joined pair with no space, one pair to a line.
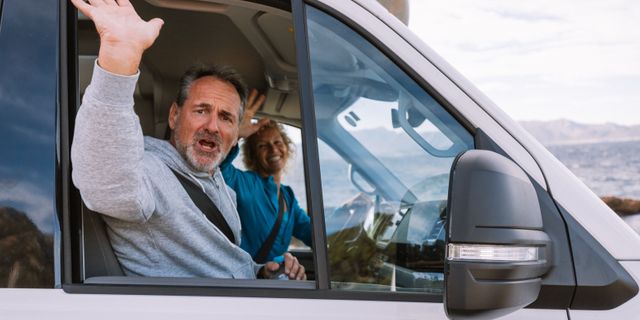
108,147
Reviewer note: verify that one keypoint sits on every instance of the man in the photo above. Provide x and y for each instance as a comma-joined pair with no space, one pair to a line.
154,226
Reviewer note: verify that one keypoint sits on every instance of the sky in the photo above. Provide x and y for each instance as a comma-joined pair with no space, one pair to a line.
542,59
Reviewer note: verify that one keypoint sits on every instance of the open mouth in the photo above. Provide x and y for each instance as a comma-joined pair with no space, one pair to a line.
207,145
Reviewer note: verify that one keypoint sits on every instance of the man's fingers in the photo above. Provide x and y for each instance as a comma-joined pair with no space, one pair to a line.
157,24
293,272
83,7
97,3
272,266
301,274
124,3
111,2
293,268
288,261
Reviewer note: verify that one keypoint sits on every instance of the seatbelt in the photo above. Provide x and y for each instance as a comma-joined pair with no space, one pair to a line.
266,246
204,203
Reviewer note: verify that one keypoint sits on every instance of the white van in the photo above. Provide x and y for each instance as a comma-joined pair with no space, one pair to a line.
426,200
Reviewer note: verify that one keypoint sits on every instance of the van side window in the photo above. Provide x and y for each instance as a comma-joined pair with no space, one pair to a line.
386,147
29,211
258,43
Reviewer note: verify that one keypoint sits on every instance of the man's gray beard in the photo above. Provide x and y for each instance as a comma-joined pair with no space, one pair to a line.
188,153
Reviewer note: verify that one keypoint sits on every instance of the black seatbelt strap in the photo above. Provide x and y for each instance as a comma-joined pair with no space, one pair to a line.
266,246
204,203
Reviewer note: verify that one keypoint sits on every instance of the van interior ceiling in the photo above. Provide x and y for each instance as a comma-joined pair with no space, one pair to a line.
256,40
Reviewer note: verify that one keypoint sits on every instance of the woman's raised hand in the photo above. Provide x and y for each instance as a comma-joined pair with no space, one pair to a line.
254,102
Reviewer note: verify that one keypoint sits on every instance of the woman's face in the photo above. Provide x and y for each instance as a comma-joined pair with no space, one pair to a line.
272,152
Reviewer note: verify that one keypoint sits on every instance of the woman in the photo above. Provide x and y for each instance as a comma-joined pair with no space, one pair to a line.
260,195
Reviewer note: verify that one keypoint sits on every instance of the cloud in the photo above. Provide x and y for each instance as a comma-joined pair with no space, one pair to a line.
571,48
29,198
31,134
511,13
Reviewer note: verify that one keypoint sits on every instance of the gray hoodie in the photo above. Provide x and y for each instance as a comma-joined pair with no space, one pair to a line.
154,226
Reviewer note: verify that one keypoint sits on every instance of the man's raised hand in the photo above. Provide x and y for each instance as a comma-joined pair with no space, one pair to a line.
124,36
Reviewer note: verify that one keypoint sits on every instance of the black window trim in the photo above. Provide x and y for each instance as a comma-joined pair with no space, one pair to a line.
311,161
246,290
1,13
67,74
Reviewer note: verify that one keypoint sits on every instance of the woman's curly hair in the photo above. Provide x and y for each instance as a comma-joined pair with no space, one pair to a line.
250,145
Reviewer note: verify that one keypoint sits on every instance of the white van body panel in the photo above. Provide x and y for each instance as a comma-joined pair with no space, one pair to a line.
54,304
567,190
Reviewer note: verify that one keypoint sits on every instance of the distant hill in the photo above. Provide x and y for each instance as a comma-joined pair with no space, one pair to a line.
568,132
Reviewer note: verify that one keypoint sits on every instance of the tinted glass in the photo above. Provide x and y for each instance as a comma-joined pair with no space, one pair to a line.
28,60
386,148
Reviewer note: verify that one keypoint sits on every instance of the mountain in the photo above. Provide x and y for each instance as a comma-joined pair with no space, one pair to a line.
26,254
568,132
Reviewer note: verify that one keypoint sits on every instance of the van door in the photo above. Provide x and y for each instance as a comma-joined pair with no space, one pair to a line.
389,126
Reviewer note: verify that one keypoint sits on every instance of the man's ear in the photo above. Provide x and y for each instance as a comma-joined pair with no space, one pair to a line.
173,115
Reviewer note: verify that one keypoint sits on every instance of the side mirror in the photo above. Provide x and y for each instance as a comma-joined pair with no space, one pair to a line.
497,251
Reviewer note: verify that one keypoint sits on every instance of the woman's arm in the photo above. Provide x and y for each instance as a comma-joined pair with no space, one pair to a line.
301,223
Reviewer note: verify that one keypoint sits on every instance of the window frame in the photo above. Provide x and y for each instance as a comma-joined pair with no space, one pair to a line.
70,197
404,67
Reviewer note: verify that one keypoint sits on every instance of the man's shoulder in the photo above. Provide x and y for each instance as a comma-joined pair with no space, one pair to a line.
158,153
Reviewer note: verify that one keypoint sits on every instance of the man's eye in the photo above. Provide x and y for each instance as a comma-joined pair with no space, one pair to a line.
200,111
228,117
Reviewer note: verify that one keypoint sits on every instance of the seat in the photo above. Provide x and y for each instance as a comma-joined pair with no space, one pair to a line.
99,259
144,96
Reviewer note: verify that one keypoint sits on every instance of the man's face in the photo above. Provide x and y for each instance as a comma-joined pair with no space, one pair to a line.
206,126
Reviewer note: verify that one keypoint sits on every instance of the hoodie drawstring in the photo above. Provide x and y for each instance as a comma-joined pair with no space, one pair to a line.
198,181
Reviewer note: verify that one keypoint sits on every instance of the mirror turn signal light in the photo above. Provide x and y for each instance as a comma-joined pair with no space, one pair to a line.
493,253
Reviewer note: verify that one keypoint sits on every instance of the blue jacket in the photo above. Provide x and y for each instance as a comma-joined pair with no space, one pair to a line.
258,209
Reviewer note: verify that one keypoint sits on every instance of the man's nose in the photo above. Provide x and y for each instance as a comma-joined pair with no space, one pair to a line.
212,124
